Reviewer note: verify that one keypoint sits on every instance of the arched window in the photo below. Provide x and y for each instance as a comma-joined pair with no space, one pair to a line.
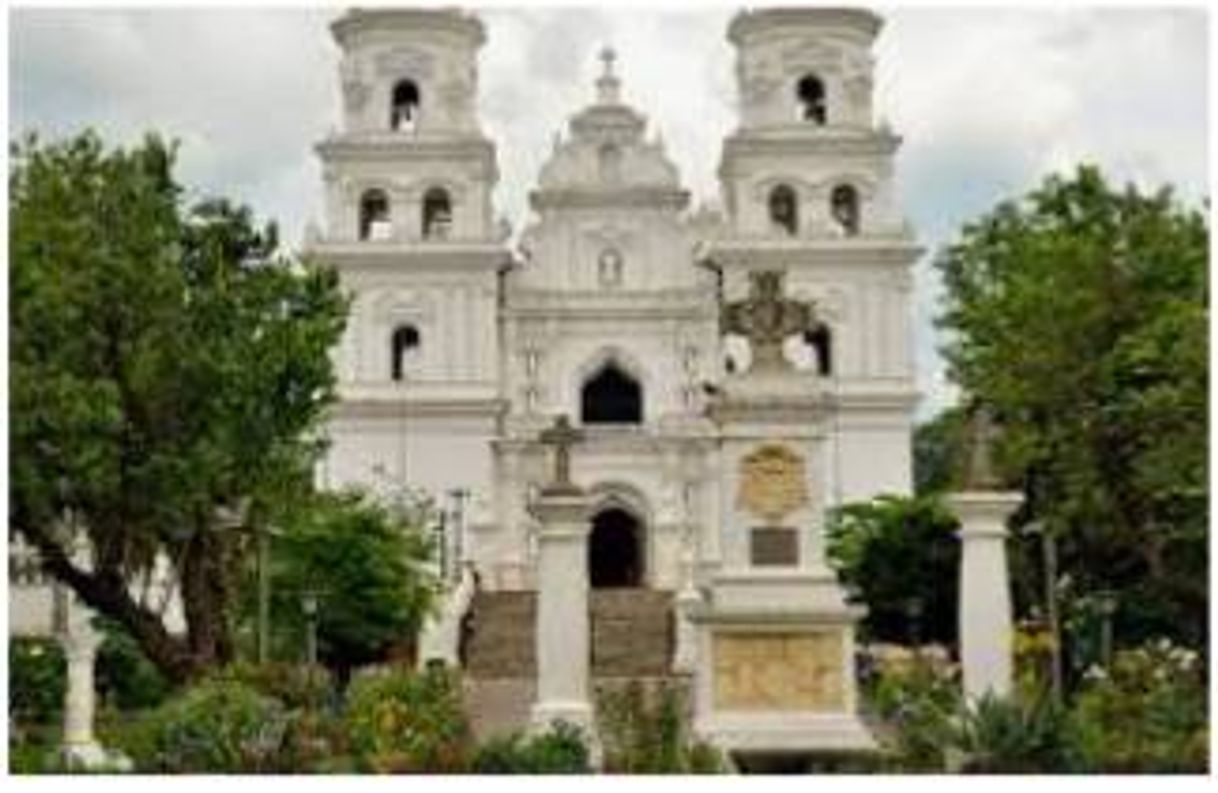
404,106
404,348
844,206
437,214
612,397
609,267
784,209
810,92
820,339
610,163
374,216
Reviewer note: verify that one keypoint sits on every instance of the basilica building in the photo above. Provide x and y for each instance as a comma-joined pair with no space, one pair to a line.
727,373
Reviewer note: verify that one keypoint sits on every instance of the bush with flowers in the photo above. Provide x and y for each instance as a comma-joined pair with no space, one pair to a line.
403,721
1145,713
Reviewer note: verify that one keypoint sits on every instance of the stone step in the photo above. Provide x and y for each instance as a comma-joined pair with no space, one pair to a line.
632,634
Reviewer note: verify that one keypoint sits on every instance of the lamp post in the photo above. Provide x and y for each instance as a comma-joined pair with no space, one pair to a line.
308,604
1048,550
1106,602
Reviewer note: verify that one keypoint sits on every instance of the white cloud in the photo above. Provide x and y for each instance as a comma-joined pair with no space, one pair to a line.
988,100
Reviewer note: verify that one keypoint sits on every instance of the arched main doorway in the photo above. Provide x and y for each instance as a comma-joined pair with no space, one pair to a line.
615,550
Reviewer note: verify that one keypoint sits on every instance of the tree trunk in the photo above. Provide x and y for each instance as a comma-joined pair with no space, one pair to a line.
106,592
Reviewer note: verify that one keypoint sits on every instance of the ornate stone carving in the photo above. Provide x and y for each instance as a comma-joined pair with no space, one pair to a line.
778,671
767,320
772,482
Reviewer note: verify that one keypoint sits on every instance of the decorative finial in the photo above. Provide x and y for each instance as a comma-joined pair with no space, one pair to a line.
608,56
608,84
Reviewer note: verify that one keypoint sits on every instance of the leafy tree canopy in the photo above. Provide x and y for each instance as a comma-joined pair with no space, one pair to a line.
366,566
900,558
1080,315
165,363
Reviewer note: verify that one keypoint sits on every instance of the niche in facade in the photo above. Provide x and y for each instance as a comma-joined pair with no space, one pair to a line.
609,268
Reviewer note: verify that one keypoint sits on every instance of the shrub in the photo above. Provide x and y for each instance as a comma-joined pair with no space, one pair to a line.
646,732
918,698
402,721
125,678
37,680
1146,713
559,750
215,726
1009,736
313,733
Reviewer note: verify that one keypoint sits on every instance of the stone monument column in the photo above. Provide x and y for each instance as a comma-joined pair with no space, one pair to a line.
563,653
80,650
986,625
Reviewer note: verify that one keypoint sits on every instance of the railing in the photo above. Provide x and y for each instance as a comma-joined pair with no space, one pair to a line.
440,638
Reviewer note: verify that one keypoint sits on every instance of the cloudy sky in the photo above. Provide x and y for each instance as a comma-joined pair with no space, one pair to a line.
988,100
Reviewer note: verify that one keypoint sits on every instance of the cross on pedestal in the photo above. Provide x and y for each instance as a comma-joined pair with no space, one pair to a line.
561,436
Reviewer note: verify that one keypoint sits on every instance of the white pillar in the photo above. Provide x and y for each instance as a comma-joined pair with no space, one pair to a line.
562,610
985,599
80,643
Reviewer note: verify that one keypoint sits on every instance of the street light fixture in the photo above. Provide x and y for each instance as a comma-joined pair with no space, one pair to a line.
308,604
1048,549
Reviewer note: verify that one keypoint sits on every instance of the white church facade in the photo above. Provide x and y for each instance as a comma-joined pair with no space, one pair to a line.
730,372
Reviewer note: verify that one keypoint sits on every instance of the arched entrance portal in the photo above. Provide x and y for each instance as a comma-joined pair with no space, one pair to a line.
615,550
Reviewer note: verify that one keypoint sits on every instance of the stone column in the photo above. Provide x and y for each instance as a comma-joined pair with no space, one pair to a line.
562,610
986,627
80,643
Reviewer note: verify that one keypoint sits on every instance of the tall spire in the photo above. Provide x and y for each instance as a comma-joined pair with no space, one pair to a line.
608,86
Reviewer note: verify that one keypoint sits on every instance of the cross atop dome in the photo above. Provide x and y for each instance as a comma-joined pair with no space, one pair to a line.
608,86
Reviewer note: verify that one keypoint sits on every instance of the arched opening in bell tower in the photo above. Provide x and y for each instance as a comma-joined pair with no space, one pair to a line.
437,214
404,106
820,339
374,215
784,209
611,396
404,349
810,92
844,206
615,549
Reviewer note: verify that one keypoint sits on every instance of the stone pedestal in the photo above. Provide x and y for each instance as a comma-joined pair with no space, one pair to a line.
986,628
562,610
775,636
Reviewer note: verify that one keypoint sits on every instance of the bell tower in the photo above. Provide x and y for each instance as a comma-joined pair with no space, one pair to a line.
807,185
408,179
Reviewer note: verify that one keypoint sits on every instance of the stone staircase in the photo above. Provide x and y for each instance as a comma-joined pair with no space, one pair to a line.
632,638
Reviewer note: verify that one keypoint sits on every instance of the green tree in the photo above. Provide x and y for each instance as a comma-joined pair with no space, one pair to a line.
900,558
165,363
367,566
1079,314
938,445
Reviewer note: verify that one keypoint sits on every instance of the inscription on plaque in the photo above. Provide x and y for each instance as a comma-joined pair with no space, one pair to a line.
772,482
773,546
778,671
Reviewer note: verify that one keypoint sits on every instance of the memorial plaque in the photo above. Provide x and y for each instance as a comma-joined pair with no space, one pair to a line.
773,546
